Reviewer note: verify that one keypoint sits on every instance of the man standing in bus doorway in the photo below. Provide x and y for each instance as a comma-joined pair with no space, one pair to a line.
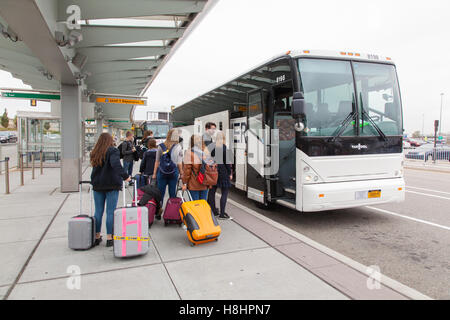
128,151
210,130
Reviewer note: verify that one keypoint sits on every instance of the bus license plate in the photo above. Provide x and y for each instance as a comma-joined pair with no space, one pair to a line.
374,194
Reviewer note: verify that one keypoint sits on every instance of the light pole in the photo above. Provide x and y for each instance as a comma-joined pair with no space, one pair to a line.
423,125
440,118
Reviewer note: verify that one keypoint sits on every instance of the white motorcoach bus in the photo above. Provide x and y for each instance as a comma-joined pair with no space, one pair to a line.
311,130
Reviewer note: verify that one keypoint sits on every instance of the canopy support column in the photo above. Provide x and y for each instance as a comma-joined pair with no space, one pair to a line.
71,137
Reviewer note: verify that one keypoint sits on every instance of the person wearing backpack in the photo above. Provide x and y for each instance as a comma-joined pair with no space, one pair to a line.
193,169
148,160
223,158
127,152
169,158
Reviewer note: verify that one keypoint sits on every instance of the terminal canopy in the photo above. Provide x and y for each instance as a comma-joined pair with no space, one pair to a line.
114,47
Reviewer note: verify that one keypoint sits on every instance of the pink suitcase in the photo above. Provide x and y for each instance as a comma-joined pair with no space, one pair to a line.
151,206
172,212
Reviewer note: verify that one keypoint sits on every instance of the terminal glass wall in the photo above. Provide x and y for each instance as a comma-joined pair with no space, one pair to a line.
36,135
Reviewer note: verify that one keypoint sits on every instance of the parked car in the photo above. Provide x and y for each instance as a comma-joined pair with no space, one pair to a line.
428,152
12,138
415,143
4,137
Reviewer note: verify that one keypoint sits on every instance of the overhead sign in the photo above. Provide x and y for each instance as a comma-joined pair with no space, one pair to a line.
37,96
123,121
120,101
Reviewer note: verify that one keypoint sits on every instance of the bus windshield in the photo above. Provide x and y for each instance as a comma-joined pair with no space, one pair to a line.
333,106
159,130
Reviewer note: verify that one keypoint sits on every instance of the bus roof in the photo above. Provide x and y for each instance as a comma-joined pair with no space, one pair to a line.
340,55
186,111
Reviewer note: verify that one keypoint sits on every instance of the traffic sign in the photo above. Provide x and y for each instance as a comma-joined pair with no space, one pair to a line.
441,138
120,101
36,96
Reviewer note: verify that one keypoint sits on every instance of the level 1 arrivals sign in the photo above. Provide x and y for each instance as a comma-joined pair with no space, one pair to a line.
120,101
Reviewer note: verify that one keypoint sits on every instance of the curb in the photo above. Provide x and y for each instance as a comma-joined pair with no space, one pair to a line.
388,282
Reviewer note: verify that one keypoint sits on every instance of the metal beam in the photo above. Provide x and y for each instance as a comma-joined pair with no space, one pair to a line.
94,35
106,77
98,54
107,9
111,87
120,65
17,57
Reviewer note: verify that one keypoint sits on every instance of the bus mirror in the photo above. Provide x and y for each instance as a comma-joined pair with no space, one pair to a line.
298,106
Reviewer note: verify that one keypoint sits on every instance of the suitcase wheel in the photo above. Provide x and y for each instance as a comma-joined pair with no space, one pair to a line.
192,244
166,223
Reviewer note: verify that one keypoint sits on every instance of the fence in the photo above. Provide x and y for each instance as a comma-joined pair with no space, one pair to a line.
434,154
32,157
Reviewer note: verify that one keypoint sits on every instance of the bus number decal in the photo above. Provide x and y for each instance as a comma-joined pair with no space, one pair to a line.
281,78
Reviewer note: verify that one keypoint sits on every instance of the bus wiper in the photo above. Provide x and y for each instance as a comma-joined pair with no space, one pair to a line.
380,132
343,126
364,113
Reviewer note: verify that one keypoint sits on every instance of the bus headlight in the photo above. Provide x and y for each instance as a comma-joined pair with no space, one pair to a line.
308,178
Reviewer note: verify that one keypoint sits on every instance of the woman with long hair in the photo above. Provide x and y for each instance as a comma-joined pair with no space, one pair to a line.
169,159
107,179
223,158
192,163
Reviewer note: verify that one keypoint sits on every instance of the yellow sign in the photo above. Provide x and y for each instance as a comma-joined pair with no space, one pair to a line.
120,101
132,238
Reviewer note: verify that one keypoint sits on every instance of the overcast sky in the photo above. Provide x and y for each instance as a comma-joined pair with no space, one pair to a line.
239,34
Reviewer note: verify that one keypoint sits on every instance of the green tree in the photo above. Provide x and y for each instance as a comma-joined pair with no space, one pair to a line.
5,119
416,134
15,121
47,126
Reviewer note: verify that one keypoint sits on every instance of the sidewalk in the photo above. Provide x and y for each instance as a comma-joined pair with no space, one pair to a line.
439,166
253,259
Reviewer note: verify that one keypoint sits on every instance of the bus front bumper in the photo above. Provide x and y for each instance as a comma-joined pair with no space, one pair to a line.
341,195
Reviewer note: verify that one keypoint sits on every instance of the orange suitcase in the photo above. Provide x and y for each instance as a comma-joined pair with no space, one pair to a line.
202,225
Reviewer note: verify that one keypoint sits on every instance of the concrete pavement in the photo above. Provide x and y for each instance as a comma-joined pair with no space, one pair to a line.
252,259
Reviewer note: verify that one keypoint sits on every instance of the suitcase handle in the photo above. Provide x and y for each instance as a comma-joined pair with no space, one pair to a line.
180,189
135,193
81,196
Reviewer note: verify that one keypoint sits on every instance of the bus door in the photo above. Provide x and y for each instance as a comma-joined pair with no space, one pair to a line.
258,142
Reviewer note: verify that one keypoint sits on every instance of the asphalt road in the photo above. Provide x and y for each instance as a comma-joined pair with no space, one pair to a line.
409,242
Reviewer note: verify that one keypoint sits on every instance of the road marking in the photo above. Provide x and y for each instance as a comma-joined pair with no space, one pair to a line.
410,218
428,195
431,190
391,283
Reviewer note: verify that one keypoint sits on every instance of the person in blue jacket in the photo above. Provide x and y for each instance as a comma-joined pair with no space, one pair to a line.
107,179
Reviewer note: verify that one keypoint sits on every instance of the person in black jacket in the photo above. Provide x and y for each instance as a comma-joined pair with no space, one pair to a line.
128,150
223,158
107,178
149,158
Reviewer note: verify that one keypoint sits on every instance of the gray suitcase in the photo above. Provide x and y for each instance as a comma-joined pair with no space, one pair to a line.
131,237
82,227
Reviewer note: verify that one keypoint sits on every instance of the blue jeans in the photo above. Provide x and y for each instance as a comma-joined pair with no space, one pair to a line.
100,198
163,182
199,195
128,167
